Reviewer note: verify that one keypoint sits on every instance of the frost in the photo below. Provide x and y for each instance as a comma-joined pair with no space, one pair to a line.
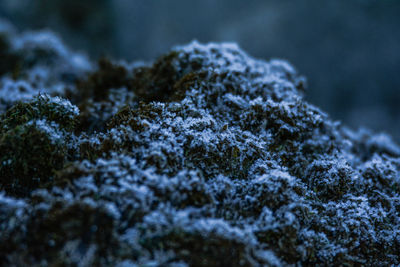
12,91
207,157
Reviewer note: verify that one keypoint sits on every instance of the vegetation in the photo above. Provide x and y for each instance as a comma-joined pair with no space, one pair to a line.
208,157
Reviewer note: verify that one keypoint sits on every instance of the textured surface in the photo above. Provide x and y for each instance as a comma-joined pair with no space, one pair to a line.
207,157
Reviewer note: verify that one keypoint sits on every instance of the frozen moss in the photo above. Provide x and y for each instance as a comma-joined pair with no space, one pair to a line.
30,154
52,109
199,242
34,142
208,157
36,62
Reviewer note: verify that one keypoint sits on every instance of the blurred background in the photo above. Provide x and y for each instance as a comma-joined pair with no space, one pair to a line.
349,50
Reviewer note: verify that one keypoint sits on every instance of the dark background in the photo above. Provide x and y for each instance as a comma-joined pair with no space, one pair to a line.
348,49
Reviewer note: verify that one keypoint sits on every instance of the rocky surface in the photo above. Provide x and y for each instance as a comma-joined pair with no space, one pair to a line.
206,157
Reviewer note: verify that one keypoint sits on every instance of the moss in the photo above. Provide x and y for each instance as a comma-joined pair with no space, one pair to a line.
330,180
186,83
80,225
207,157
100,93
199,249
108,76
33,143
123,116
283,239
156,83
45,107
29,157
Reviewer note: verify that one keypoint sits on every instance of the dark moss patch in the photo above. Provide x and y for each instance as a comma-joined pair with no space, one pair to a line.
108,76
156,83
201,249
59,227
33,143
29,157
55,110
